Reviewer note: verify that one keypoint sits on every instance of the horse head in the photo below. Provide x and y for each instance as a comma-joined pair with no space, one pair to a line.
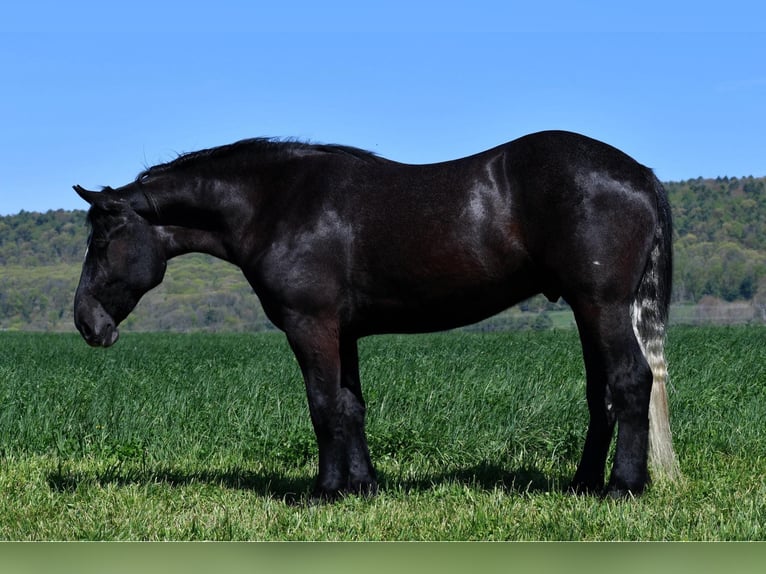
124,260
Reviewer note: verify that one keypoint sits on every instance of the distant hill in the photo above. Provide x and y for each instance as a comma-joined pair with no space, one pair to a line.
720,238
720,254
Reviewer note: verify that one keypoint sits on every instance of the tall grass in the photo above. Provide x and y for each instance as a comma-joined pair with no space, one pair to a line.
475,436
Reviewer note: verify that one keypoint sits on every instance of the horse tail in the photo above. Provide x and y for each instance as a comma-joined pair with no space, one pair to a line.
649,313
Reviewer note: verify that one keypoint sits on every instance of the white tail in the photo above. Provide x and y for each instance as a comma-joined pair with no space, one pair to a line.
662,457
649,312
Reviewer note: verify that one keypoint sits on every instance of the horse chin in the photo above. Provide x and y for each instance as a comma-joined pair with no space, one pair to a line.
105,339
110,337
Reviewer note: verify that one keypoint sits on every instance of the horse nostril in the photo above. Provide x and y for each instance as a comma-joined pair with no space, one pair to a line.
85,330
81,324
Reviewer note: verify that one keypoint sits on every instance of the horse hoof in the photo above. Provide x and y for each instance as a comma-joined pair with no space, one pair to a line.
585,489
617,491
364,488
587,486
361,488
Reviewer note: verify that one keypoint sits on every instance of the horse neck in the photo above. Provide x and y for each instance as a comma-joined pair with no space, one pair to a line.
178,240
196,219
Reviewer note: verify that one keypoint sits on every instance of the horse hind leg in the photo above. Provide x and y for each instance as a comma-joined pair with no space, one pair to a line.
589,477
619,383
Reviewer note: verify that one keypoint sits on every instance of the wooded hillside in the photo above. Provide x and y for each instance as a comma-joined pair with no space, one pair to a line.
720,238
720,254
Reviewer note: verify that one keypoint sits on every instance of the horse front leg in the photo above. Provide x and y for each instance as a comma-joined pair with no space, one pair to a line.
330,372
362,478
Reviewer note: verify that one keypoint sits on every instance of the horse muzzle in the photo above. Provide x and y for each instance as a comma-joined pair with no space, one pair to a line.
95,325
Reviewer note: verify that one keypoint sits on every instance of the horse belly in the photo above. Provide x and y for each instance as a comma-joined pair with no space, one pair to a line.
424,299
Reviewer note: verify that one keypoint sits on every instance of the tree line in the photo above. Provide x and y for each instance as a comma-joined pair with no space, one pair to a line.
719,246
720,238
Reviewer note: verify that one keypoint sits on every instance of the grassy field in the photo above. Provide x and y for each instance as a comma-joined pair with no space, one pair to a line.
475,436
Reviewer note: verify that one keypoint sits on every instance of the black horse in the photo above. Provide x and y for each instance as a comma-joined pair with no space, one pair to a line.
339,243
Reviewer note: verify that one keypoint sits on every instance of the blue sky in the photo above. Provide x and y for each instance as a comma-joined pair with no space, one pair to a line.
93,92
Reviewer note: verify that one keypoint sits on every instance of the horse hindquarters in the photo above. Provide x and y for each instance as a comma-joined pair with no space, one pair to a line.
625,365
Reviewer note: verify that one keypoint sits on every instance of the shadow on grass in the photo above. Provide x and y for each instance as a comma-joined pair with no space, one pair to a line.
485,476
297,490
267,484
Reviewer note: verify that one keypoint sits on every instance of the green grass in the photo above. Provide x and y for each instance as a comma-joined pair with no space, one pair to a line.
475,436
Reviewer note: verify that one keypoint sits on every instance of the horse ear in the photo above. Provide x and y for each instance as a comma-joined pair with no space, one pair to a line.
92,197
100,199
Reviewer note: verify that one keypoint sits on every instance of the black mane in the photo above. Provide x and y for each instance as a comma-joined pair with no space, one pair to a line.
253,147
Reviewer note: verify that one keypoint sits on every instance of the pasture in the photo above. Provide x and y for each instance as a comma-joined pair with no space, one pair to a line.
474,436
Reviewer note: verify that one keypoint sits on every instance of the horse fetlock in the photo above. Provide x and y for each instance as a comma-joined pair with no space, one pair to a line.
628,480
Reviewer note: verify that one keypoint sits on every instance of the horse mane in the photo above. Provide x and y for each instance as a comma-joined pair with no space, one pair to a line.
254,147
